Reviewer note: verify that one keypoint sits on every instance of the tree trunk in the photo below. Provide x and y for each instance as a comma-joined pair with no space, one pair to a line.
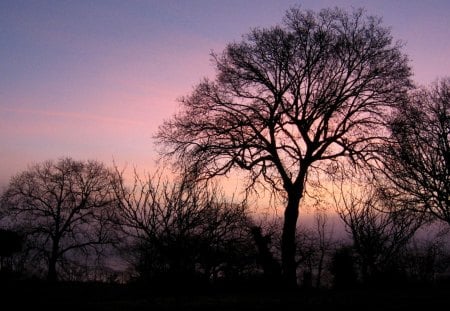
288,244
320,268
51,274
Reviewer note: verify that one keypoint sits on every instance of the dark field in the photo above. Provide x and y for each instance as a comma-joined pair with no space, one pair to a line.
93,296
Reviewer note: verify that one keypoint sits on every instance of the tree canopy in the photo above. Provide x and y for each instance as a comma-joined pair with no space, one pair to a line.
288,99
61,207
417,159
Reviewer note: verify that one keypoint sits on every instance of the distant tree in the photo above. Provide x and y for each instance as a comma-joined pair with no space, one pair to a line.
314,247
287,102
63,209
417,159
379,230
429,257
325,243
182,229
307,255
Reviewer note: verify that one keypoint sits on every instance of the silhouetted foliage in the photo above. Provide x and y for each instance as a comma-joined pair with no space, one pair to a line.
343,268
270,265
417,160
63,209
287,102
428,258
10,242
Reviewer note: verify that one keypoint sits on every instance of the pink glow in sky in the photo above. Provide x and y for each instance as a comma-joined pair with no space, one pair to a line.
94,79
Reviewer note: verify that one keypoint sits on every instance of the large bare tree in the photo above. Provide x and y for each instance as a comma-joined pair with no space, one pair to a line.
417,160
287,101
63,207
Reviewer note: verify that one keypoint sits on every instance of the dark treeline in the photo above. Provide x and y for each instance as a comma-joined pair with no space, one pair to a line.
62,223
323,103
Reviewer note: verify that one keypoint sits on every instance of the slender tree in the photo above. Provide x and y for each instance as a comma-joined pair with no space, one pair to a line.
289,100
63,207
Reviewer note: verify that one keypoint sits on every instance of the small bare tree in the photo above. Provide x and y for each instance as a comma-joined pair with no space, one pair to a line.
314,246
183,228
326,243
380,232
63,208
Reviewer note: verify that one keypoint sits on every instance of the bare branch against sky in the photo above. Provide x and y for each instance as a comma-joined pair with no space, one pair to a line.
95,79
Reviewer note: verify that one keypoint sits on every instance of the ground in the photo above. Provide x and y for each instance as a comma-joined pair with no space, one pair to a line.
94,296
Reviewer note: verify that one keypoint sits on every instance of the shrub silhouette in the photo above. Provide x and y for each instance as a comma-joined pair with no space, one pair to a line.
343,267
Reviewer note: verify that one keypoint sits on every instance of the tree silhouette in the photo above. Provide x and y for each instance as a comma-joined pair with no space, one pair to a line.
271,266
343,267
417,160
379,230
10,242
63,207
183,229
287,102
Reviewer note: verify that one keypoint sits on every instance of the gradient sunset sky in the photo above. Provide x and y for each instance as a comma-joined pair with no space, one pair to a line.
94,79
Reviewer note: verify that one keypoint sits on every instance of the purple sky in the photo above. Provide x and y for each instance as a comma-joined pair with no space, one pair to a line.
94,79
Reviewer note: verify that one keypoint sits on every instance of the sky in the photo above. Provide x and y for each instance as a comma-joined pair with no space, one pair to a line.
95,79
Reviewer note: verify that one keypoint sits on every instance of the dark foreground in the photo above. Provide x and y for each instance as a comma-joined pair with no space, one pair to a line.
94,296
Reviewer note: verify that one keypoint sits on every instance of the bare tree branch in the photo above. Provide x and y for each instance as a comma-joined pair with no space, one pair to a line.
288,99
